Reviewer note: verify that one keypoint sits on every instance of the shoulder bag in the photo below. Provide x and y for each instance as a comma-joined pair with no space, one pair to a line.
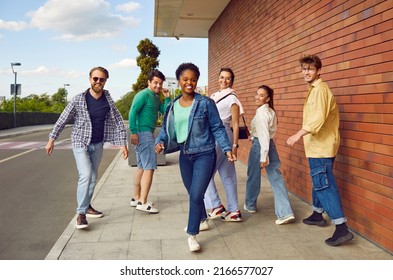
244,133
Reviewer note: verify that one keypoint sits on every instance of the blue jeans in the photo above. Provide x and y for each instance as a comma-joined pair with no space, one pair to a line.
282,206
87,163
325,196
145,154
196,171
227,173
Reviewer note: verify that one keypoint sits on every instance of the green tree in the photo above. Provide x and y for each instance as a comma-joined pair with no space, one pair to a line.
60,96
8,105
124,104
147,61
37,103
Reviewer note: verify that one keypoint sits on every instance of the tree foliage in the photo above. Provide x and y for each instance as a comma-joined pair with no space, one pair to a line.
147,61
37,103
124,104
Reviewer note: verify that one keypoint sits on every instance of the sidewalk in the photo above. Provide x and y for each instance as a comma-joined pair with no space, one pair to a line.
126,234
4,133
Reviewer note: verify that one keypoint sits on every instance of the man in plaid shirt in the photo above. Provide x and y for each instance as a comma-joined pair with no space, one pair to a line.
96,120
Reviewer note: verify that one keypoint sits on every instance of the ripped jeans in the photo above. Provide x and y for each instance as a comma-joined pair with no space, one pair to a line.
325,195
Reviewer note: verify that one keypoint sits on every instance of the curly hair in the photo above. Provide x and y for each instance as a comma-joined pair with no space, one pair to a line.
312,59
187,66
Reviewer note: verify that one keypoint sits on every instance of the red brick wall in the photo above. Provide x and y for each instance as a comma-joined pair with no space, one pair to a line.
262,41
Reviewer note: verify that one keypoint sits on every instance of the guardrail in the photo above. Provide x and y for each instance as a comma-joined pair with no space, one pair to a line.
27,118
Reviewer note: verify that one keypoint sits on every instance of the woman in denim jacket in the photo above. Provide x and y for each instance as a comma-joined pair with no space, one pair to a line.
192,125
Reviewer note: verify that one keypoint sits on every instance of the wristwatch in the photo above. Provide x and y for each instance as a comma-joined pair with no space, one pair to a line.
236,145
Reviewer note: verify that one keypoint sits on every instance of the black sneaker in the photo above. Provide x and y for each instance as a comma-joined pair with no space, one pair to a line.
315,219
81,221
93,213
336,241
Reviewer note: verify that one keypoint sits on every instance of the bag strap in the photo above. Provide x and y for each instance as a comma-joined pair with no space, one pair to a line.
231,93
244,121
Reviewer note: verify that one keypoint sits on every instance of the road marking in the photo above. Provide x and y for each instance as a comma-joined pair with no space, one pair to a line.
18,155
29,151
20,146
33,146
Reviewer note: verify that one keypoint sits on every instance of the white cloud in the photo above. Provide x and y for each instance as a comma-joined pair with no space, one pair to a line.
124,63
76,74
38,71
118,48
77,20
128,7
56,72
13,25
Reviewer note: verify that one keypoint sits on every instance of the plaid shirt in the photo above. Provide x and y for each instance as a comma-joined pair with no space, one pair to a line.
114,129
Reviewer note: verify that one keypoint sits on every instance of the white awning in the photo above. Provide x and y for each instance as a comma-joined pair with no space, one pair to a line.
186,18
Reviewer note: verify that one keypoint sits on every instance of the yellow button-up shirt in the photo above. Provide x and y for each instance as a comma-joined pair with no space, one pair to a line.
321,120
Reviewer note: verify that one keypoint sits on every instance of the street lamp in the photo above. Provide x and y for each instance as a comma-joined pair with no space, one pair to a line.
66,93
15,89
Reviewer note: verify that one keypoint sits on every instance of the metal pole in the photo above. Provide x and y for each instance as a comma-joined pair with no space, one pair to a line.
15,91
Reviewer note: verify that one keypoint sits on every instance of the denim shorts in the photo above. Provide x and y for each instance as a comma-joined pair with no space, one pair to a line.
145,154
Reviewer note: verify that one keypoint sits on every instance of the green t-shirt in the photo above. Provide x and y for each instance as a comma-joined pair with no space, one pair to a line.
182,116
144,111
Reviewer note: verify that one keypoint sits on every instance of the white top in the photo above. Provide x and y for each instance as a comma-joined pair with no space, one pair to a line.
224,108
224,105
264,126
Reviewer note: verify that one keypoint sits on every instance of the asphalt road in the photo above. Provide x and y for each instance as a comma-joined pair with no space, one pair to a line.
37,193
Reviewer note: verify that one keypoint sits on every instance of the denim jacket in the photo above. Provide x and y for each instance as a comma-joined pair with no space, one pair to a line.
204,128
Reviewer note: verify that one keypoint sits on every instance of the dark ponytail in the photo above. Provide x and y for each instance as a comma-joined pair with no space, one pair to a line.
270,93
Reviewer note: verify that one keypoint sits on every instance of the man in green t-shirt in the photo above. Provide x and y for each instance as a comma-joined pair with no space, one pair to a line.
142,123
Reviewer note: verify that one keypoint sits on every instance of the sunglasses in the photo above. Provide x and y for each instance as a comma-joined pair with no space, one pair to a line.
102,80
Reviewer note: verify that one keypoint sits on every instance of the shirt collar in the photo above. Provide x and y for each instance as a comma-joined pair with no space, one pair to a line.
316,82
263,107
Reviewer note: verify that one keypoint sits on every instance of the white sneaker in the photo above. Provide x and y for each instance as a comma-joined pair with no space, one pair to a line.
217,212
249,210
147,207
193,244
202,226
286,220
134,202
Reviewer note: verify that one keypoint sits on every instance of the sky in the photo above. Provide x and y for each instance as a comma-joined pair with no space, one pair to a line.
57,42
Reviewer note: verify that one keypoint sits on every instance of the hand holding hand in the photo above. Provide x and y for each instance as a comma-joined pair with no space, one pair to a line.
231,157
264,164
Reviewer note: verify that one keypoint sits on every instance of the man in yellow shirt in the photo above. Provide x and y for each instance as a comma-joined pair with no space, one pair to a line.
321,139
